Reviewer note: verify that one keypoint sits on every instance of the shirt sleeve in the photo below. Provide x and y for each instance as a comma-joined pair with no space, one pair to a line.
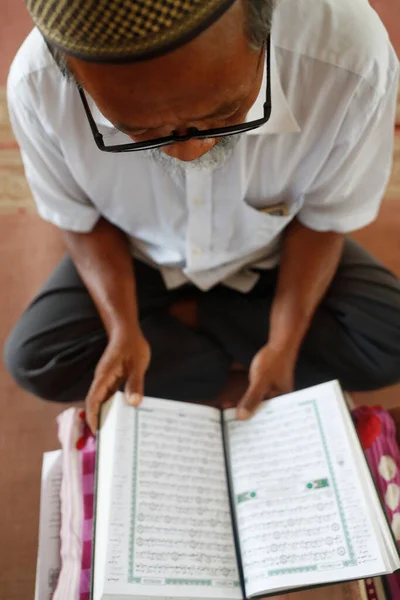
347,192
58,197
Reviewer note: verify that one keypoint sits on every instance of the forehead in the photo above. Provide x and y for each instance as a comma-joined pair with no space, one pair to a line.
189,82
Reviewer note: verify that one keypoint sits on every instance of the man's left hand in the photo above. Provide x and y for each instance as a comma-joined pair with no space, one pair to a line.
271,374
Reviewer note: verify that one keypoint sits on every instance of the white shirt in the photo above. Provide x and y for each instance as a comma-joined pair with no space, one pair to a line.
326,152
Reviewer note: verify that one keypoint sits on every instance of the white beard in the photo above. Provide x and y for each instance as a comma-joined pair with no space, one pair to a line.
210,161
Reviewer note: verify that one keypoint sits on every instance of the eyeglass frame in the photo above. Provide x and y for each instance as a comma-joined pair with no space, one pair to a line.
192,133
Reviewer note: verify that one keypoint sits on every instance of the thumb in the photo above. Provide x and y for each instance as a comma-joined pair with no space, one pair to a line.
134,387
254,395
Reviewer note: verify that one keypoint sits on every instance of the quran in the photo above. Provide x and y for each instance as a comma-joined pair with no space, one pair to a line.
192,503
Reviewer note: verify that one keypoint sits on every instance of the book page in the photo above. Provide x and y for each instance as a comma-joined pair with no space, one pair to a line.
302,515
170,529
49,561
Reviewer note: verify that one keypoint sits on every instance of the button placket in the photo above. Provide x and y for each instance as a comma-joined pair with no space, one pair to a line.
199,225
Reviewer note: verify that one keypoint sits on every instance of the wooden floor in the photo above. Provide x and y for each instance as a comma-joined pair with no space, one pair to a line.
29,249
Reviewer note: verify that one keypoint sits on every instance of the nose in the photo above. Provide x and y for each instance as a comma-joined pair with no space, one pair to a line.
190,150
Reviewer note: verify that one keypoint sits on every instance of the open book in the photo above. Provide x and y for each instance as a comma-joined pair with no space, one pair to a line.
192,503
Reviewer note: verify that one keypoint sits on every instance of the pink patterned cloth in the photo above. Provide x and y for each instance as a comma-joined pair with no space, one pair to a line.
77,498
88,473
377,433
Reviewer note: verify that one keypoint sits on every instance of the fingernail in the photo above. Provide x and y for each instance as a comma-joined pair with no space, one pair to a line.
243,414
134,399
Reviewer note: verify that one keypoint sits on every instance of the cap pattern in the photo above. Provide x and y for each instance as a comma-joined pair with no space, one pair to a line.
122,30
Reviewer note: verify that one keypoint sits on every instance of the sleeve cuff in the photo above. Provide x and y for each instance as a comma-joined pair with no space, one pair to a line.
339,223
83,223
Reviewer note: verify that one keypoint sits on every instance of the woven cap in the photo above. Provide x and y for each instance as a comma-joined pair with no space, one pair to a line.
123,30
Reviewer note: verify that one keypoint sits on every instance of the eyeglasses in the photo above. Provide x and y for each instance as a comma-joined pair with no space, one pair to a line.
192,133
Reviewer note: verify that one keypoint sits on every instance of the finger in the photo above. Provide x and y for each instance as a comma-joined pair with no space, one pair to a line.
253,397
100,391
134,387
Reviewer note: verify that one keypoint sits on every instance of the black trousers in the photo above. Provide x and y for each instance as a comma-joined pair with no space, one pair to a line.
354,336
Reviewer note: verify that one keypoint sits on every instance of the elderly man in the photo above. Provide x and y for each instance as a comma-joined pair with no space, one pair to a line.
218,150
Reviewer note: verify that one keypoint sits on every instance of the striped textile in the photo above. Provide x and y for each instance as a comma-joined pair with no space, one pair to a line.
88,471
77,490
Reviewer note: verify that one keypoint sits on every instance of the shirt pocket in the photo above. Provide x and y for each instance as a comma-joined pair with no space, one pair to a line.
267,223
244,229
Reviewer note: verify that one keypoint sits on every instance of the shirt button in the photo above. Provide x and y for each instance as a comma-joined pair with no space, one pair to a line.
196,251
199,202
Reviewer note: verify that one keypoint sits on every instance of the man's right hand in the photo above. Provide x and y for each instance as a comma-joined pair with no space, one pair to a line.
104,261
125,359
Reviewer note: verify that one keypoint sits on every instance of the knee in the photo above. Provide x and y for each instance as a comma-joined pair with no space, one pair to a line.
384,376
374,377
22,362
16,358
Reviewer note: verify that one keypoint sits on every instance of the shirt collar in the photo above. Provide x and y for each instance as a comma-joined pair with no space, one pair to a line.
281,120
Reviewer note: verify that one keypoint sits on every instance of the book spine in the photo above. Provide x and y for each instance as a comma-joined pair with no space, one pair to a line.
232,506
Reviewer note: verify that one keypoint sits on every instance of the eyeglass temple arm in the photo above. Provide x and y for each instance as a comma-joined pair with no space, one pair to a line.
96,133
268,103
